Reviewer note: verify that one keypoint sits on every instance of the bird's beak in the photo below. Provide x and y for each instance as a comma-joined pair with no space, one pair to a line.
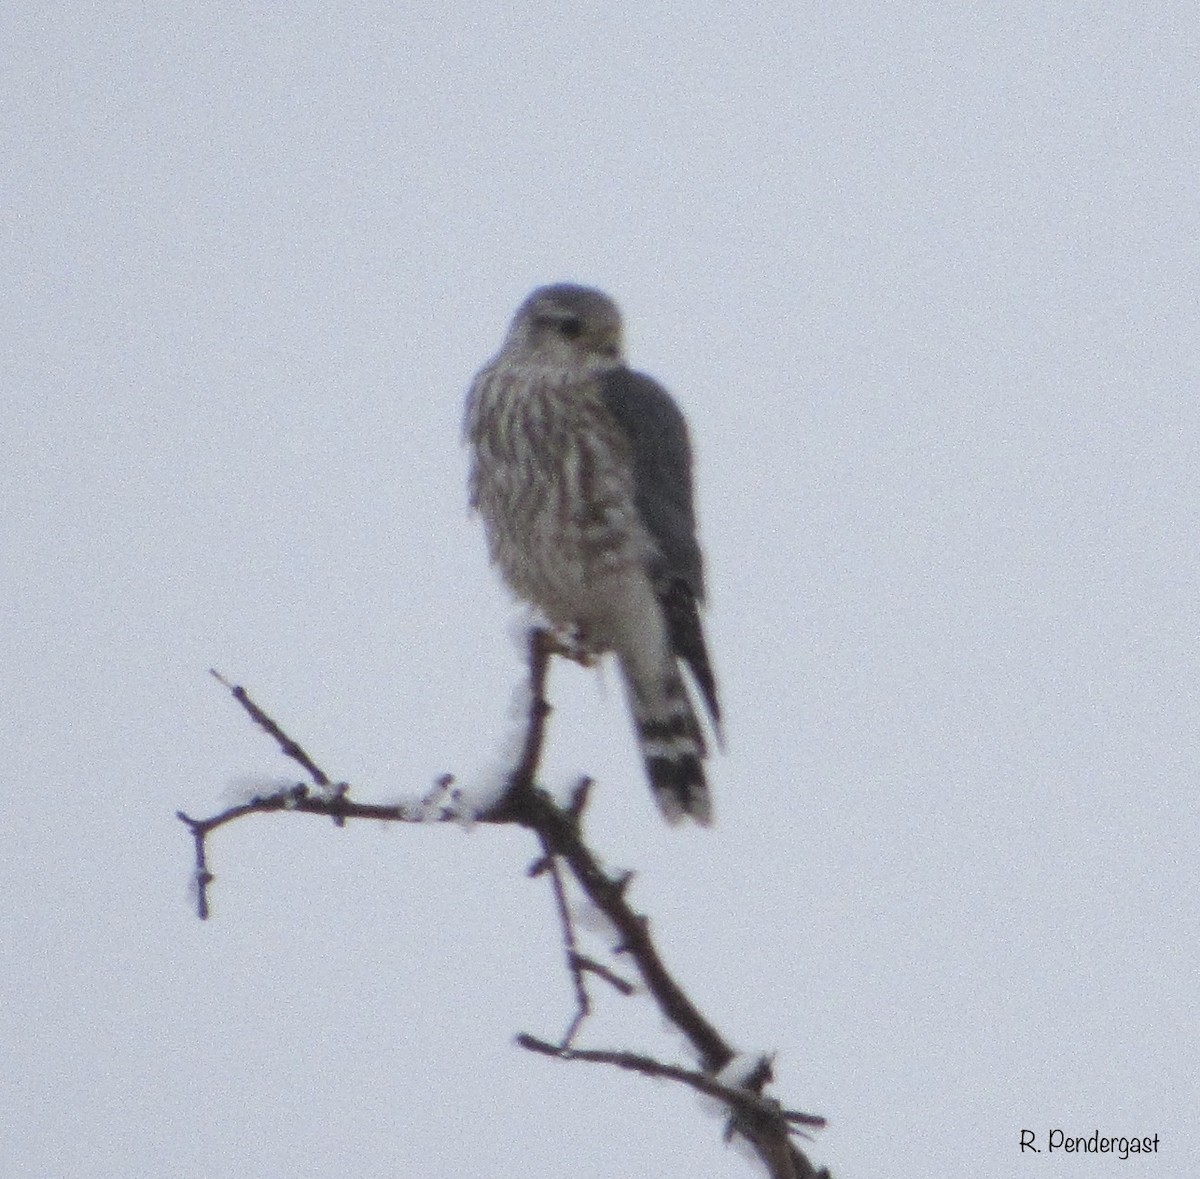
609,344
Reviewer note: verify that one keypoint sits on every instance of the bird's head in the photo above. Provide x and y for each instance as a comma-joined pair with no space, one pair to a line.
568,326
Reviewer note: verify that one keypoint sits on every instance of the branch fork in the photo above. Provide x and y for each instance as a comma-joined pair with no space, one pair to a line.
569,863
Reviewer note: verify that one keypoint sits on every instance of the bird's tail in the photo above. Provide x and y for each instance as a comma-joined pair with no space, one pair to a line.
686,635
671,743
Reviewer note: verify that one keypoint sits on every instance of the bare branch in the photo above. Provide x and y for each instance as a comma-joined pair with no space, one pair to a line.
611,977
541,646
739,1098
583,1006
203,877
535,809
758,1118
287,746
761,1119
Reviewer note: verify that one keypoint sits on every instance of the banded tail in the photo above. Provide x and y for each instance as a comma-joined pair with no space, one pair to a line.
686,636
672,746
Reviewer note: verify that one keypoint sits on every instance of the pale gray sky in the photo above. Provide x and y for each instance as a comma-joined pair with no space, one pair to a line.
924,278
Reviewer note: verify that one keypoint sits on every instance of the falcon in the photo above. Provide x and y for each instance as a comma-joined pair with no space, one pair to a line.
581,469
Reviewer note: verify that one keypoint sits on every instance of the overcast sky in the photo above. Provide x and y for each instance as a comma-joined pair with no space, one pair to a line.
923,277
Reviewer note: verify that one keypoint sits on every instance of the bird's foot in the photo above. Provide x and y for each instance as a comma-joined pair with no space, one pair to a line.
571,643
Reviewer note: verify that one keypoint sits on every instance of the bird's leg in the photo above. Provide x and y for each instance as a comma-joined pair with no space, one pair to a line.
571,642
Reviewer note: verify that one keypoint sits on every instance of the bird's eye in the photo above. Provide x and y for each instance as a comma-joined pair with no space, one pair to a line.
571,327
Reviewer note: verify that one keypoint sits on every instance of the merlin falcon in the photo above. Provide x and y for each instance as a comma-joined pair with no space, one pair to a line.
582,471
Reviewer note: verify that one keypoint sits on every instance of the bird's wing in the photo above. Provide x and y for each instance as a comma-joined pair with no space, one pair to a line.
662,467
662,470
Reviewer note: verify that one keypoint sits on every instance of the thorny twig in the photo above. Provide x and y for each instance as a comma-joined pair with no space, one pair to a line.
744,1100
287,746
758,1118
583,1003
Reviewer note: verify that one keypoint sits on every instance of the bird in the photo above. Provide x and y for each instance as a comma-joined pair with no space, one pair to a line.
581,469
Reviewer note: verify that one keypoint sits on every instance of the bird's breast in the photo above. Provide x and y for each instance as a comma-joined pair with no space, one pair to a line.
554,486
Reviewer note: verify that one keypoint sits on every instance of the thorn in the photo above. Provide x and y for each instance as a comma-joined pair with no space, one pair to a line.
340,791
761,1075
579,798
